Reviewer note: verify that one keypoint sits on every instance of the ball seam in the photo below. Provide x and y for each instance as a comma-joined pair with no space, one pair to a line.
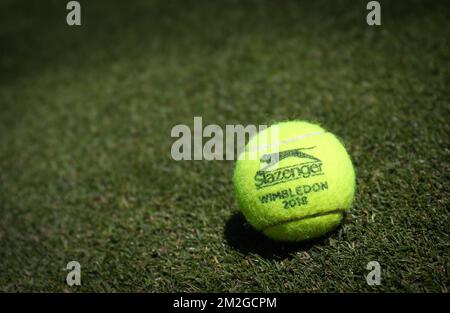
296,219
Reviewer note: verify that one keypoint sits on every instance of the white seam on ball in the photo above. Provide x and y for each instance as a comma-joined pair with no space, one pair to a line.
288,141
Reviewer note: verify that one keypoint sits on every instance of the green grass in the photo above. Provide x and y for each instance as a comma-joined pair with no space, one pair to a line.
85,166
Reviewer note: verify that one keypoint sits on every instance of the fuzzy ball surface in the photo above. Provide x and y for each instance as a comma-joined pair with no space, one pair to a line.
294,181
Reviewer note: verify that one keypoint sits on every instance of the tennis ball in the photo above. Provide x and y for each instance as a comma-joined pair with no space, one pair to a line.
294,181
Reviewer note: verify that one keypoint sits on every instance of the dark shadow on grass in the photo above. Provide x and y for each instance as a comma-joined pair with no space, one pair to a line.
243,237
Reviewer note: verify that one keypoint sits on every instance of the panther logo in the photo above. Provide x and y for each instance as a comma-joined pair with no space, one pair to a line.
274,158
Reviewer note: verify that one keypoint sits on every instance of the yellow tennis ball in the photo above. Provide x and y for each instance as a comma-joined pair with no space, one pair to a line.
294,181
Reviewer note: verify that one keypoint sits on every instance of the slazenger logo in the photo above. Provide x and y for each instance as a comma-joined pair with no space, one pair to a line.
266,177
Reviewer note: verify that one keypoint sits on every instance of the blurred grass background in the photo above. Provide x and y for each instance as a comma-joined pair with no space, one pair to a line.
86,113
